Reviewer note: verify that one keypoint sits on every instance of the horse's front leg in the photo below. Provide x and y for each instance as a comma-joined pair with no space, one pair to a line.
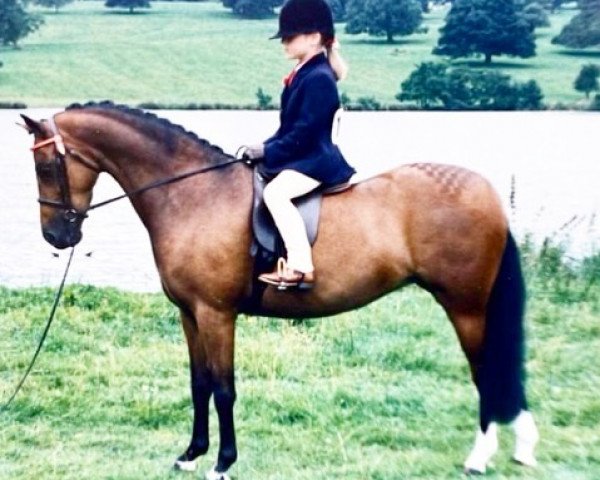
218,333
202,389
211,354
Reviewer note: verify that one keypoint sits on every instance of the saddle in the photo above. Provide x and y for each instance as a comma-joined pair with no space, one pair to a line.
267,245
266,235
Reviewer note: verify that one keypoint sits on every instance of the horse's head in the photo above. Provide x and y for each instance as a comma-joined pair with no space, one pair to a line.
65,181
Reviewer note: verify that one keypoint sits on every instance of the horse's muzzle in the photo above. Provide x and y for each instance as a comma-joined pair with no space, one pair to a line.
61,235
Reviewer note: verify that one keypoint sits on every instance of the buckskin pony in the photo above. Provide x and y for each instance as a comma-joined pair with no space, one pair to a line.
441,227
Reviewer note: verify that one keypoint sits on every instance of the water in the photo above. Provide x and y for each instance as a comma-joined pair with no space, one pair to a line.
552,157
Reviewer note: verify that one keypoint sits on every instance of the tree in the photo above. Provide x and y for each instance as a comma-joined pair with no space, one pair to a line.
130,4
554,5
529,96
16,22
368,103
587,80
438,85
252,8
425,85
535,13
583,30
488,27
383,17
56,4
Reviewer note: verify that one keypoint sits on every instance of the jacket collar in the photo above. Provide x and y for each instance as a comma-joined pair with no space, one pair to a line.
318,59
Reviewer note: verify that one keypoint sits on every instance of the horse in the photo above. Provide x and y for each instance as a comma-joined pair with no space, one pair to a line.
438,226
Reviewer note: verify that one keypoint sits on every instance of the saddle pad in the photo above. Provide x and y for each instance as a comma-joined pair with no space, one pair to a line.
263,227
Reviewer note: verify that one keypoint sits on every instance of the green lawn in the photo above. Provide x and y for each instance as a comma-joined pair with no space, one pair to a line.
382,393
181,53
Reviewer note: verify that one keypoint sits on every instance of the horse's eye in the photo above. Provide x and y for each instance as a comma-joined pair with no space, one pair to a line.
43,170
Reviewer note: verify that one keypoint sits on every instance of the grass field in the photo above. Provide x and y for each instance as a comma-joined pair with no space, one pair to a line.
181,53
382,393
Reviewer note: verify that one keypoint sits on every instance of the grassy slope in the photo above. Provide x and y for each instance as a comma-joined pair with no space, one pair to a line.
178,53
380,393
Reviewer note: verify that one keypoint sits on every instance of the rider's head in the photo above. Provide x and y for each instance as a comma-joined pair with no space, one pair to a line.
306,27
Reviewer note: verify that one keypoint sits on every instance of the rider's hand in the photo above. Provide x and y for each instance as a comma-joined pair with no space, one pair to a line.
254,152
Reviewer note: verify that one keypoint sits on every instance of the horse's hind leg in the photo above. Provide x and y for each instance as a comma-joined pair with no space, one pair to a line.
470,328
490,329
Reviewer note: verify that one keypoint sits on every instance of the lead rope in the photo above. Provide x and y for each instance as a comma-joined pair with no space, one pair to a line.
50,318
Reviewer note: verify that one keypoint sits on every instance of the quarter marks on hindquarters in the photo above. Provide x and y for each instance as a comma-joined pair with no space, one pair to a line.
450,178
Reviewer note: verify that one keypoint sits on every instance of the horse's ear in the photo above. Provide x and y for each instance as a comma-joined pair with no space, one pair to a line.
31,125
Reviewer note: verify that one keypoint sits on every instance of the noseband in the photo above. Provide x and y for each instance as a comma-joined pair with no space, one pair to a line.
59,170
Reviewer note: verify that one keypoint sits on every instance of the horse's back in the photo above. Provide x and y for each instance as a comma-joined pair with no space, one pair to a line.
438,184
420,197
434,198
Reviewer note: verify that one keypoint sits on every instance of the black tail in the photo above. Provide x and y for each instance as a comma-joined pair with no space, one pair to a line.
501,378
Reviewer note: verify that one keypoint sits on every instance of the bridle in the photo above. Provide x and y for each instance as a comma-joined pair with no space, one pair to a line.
70,213
59,170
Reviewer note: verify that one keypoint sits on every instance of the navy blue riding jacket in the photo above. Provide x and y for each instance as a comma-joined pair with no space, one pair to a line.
303,140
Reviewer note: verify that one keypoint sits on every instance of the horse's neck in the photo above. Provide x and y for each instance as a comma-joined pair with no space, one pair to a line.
135,161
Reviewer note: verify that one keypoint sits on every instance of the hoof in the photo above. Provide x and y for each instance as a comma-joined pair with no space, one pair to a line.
212,474
185,465
486,445
525,459
473,468
471,471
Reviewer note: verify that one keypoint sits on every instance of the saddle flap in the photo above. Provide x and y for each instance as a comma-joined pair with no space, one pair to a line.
263,227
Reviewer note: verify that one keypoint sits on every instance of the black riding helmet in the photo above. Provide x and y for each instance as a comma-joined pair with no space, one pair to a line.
305,16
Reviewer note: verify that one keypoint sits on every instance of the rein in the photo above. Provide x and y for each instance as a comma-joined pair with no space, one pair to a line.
167,181
71,214
44,334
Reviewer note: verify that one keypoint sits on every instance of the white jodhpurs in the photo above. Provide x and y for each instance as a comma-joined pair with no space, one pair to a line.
278,195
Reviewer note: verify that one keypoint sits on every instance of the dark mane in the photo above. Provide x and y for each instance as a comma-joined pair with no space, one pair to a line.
149,121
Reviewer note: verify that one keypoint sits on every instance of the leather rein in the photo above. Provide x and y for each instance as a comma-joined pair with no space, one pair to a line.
70,213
